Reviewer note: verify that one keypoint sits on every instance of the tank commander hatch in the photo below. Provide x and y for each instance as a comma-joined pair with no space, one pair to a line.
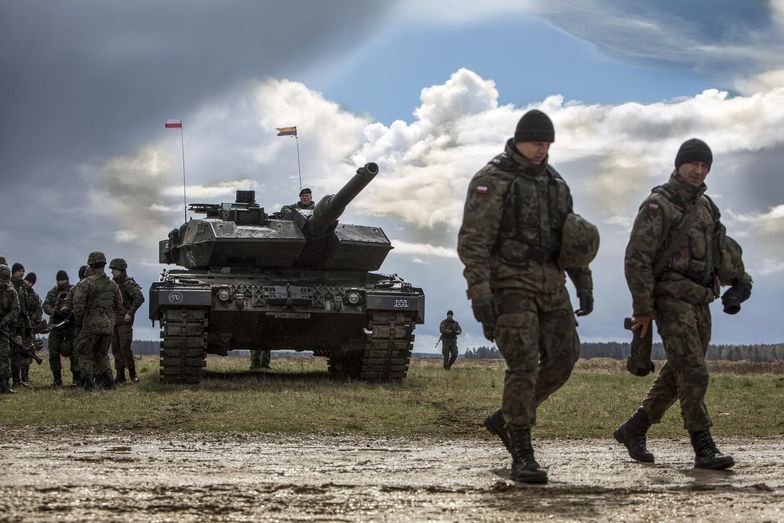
305,202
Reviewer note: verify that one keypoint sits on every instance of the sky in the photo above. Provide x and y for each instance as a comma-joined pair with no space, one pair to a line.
428,90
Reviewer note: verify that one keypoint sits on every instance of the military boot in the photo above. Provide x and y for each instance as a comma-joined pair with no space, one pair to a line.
57,378
495,424
632,435
4,388
706,455
24,372
16,377
88,384
132,377
76,380
524,466
120,375
108,380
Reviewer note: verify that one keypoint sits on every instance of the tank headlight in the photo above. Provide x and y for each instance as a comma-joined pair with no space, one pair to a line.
353,297
224,295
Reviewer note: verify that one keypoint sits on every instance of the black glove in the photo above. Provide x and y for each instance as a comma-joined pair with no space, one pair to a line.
734,296
586,303
485,313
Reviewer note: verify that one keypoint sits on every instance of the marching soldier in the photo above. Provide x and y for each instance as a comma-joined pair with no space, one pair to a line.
122,337
519,234
96,302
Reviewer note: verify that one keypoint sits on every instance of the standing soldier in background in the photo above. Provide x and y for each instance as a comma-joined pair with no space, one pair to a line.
96,302
122,337
37,324
61,339
519,234
450,330
22,324
260,359
9,311
677,257
67,309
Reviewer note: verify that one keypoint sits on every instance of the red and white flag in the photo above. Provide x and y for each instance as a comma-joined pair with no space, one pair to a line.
173,124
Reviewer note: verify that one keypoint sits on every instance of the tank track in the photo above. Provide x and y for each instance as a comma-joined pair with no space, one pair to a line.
183,345
388,351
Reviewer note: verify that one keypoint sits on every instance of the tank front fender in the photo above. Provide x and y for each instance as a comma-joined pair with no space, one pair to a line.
398,302
162,296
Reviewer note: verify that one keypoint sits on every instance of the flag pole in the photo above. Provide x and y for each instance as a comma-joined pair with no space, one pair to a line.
184,199
299,169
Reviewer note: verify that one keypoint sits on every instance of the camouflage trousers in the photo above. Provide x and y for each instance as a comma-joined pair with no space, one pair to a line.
5,359
260,359
122,337
685,330
537,336
92,350
61,345
449,351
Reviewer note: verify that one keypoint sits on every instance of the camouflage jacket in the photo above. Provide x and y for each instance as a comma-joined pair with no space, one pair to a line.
450,329
23,320
34,308
132,297
96,302
9,307
54,298
511,232
692,271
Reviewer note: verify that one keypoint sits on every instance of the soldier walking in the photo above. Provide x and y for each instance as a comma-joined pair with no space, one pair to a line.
96,302
677,257
9,312
515,239
60,339
450,330
122,337
22,325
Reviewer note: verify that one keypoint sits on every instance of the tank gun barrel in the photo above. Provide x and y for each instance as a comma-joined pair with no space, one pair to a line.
331,207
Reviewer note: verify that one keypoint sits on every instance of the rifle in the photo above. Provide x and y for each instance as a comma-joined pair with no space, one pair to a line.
16,341
439,341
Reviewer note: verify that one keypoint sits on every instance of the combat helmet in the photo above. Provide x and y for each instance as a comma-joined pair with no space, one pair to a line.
3,260
96,257
579,242
119,264
5,273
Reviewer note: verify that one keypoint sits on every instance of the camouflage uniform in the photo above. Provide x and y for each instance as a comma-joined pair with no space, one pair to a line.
679,298
509,242
96,302
9,312
122,337
22,330
449,329
299,206
260,359
36,318
60,340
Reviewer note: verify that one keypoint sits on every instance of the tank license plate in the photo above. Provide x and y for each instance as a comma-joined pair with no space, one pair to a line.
289,315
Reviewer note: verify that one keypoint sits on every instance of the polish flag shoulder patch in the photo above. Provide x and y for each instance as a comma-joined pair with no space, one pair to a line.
481,189
653,207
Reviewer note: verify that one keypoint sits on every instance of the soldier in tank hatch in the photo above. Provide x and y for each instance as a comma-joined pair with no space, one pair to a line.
677,258
518,237
305,201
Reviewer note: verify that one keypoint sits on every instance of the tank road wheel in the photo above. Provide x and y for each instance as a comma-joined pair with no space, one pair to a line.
183,345
388,351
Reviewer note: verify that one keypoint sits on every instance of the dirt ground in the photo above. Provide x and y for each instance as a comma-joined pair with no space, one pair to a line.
78,475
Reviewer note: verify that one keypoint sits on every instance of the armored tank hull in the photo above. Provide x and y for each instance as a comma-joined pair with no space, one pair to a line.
293,281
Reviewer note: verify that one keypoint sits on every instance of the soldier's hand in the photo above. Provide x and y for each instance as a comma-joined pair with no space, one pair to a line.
642,322
586,303
128,318
485,313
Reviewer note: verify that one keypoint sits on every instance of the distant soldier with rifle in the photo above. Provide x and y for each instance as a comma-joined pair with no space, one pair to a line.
9,313
37,326
61,333
22,328
96,302
122,337
677,258
450,330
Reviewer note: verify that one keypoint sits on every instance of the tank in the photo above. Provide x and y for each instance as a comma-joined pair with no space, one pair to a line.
291,280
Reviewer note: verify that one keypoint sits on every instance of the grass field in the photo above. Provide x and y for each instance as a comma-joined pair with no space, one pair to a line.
298,396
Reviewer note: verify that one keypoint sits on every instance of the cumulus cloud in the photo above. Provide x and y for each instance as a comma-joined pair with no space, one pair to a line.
770,223
770,266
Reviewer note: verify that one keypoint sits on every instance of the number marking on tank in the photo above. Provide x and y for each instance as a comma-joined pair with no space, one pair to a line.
401,304
175,297
289,315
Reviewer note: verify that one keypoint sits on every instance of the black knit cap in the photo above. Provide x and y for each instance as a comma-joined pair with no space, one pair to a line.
693,150
61,275
450,312
306,190
534,126
17,267
31,277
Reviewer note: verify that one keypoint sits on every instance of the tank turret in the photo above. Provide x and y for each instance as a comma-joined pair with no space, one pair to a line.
331,207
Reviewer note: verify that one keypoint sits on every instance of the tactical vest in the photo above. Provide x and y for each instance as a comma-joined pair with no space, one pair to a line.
103,298
535,208
703,241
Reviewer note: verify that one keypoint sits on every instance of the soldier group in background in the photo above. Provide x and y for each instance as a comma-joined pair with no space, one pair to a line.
84,320
450,330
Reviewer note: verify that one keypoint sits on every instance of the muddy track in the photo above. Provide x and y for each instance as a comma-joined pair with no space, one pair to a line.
154,476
